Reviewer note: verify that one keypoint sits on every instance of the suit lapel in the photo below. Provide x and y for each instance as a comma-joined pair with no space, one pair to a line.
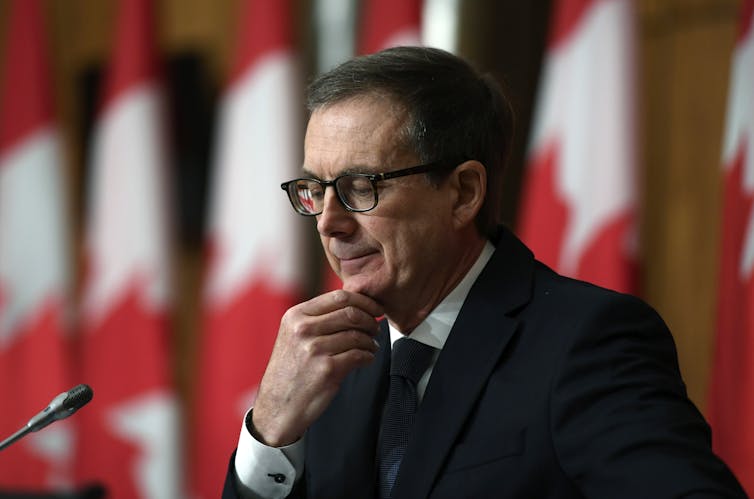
364,393
473,349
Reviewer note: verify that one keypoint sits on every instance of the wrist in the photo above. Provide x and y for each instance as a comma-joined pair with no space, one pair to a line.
268,436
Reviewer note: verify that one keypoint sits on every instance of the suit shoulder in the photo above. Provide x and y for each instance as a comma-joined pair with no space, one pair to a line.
577,297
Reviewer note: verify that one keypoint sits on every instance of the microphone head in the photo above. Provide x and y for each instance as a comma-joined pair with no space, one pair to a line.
61,407
78,396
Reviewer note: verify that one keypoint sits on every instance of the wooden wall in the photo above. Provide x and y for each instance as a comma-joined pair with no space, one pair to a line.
685,51
686,48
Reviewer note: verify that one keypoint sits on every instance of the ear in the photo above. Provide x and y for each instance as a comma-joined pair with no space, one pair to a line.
469,180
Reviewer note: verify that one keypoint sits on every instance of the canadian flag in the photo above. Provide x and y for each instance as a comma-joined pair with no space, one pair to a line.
254,237
731,409
34,260
131,426
579,199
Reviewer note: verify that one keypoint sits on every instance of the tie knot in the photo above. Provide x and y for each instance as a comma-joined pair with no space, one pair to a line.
410,359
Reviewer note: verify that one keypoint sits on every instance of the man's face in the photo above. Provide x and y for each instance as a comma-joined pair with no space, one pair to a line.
392,253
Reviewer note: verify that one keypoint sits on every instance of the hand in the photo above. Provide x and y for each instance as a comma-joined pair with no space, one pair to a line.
319,342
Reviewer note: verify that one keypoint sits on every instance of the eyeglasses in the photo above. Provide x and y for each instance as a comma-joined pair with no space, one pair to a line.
356,191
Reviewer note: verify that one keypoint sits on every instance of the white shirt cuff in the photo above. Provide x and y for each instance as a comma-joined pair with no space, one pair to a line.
267,472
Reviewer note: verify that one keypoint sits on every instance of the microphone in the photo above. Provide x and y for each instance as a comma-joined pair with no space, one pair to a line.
60,407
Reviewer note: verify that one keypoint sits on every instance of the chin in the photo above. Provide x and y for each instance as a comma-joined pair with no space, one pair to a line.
363,285
354,284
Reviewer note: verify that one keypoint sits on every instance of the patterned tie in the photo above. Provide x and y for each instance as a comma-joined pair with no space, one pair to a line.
410,359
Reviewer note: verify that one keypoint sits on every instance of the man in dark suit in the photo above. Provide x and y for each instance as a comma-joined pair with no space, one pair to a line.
532,385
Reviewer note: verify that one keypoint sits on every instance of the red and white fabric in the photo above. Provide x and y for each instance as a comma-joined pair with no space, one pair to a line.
254,237
389,23
130,437
34,260
578,210
731,404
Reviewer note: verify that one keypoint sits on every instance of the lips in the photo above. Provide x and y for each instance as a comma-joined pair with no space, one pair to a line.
353,260
348,251
353,255
352,266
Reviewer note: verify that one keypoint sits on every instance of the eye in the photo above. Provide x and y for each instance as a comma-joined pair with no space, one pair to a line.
360,187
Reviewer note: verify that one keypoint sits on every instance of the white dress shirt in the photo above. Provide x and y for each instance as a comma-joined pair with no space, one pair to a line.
270,472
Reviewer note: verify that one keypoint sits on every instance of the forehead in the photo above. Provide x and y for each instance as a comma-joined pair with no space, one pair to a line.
362,134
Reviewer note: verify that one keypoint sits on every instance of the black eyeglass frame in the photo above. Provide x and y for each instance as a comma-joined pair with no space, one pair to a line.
373,179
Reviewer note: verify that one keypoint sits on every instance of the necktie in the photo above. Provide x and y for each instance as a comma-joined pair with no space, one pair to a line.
410,359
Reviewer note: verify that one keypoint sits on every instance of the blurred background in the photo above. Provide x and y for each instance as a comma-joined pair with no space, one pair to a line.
222,135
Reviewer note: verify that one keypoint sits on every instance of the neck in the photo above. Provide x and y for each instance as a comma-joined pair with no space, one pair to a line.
406,316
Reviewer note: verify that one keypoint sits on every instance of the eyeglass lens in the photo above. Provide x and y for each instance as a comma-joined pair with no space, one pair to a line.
356,191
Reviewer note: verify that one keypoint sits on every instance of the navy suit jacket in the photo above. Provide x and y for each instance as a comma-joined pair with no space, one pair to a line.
547,387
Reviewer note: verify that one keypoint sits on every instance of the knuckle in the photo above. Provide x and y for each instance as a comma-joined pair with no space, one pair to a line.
356,337
300,327
339,296
327,367
352,313
288,319
313,347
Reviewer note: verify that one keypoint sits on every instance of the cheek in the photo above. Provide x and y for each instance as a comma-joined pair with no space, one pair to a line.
324,243
406,248
406,230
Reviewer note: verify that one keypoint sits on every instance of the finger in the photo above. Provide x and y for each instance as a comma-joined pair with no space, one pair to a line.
346,318
338,299
330,370
304,327
352,359
340,342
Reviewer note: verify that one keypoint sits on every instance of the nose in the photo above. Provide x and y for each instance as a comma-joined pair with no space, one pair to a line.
335,220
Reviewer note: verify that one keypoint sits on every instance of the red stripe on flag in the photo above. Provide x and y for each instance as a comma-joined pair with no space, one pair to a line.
542,201
607,259
731,402
26,103
383,19
731,408
566,18
745,26
134,50
272,31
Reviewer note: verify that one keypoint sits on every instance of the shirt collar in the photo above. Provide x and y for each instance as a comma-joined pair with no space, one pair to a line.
435,328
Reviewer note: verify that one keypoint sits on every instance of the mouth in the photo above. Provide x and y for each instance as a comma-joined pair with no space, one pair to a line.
353,264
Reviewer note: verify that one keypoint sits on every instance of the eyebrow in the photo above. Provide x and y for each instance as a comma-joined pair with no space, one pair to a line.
352,169
307,173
